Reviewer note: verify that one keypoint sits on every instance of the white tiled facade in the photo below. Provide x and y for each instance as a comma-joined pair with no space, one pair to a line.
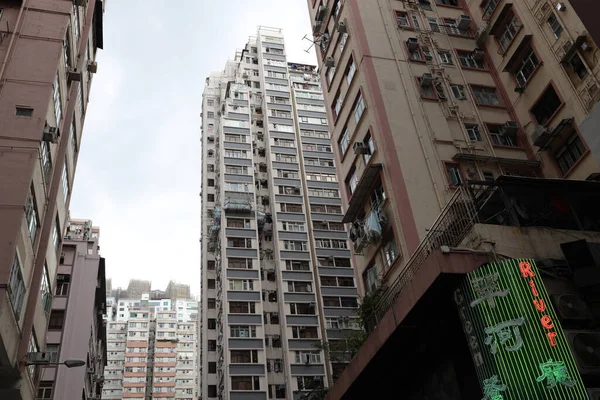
151,349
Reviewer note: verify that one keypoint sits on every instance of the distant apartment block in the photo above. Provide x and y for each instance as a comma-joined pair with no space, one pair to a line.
152,349
277,276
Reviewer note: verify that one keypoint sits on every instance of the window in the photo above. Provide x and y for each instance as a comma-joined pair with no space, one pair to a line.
241,284
415,53
425,5
445,57
344,141
239,263
57,100
65,180
210,114
56,321
56,234
31,215
427,90
458,92
241,307
211,284
210,197
526,67
16,286
245,383
211,304
73,135
44,390
467,60
546,106
294,265
300,287
371,278
352,181
402,19
569,153
238,223
302,308
509,31
304,332
210,103
555,26
328,281
62,284
293,226
359,108
415,21
433,24
578,66
46,291
499,137
309,382
473,132
343,41
486,96
244,356
242,331
294,245
350,71
24,111
453,174
453,3
46,160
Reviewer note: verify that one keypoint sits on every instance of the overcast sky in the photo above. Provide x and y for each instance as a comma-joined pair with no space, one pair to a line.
138,175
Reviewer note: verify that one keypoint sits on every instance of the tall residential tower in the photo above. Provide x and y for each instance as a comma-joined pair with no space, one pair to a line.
277,277
48,50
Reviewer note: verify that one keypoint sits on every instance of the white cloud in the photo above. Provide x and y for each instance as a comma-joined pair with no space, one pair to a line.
138,175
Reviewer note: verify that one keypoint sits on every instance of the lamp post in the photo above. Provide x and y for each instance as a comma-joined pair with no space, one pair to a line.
68,363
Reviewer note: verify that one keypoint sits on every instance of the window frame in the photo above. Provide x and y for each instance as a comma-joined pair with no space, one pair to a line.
511,19
468,55
519,65
575,136
500,100
539,98
453,164
421,93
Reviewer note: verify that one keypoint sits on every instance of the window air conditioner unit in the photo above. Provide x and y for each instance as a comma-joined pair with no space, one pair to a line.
51,134
426,79
329,61
73,75
341,27
92,67
412,44
478,54
360,148
321,11
464,22
541,136
510,128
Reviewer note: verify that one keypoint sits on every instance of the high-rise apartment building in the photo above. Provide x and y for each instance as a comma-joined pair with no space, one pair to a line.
48,51
277,277
151,349
426,96
77,329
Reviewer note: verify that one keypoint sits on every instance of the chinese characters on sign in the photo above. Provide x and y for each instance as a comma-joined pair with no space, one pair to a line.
555,373
492,388
512,331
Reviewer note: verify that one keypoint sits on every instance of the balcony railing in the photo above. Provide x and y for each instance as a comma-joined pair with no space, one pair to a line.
455,221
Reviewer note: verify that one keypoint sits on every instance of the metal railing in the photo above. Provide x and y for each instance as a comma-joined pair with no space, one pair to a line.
452,225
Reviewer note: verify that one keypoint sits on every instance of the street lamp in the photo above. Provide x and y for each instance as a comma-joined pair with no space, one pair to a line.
40,360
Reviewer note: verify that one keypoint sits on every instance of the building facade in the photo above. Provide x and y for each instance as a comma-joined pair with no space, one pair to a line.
427,96
48,50
77,329
455,91
277,277
152,349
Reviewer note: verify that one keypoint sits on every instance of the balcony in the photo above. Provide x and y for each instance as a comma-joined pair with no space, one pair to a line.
361,192
368,231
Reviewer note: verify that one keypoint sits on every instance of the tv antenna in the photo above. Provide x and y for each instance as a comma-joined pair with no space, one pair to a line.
317,42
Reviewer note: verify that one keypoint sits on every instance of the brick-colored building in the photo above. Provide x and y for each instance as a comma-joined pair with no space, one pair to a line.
48,50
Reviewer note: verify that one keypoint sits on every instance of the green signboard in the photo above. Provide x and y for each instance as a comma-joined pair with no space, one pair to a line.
518,346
